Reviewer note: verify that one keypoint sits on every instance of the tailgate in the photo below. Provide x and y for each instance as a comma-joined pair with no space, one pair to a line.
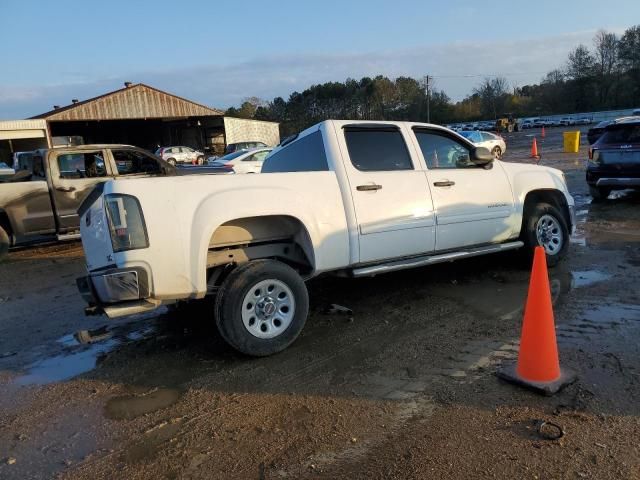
94,231
630,157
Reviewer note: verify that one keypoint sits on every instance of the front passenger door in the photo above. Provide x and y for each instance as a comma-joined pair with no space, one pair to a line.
474,205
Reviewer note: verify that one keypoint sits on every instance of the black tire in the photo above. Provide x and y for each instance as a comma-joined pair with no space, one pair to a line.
172,161
599,194
529,236
229,305
497,152
5,243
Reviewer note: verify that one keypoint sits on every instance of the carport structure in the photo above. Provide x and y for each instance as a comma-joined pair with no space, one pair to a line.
139,115
22,135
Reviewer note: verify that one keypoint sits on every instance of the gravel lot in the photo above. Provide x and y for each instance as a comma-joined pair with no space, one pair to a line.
404,388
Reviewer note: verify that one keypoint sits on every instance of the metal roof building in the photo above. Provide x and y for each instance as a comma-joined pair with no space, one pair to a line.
147,117
137,101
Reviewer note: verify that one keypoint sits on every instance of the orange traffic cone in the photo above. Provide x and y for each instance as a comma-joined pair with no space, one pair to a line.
534,149
542,134
538,366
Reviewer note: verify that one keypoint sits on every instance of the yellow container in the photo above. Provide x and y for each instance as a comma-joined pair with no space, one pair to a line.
571,142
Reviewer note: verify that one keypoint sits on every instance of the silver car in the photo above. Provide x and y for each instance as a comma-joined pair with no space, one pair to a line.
175,155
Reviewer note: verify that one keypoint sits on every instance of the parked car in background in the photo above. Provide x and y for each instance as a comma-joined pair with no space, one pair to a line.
242,161
614,159
492,142
584,121
234,147
567,121
43,201
594,132
528,123
175,155
6,171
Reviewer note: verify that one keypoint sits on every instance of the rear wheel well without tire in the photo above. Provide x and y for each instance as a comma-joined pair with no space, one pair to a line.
6,235
7,238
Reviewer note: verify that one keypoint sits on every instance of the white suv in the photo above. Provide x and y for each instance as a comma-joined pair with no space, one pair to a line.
175,155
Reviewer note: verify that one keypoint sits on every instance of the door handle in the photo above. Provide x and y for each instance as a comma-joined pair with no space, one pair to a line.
446,183
368,188
66,189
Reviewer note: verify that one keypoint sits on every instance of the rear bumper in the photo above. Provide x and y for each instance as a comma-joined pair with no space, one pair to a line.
618,182
116,291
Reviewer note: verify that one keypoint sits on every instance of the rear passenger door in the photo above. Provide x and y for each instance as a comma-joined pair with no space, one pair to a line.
73,176
390,193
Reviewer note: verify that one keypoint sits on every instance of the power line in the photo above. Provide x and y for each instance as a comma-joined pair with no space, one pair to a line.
478,75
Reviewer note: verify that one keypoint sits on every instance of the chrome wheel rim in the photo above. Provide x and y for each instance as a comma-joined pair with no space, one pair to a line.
268,308
497,152
549,234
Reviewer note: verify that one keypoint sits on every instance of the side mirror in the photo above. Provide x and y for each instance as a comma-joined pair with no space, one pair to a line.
481,156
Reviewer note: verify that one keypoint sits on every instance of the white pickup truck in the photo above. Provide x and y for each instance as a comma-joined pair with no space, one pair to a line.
351,198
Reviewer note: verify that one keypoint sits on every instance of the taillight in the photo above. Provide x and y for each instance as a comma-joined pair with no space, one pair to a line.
126,222
590,153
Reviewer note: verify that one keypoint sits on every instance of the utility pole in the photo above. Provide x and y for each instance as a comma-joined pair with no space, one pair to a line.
427,78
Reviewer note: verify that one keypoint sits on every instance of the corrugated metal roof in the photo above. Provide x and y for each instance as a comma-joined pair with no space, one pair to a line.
134,102
23,125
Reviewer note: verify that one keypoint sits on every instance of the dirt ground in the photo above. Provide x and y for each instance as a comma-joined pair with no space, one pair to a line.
403,388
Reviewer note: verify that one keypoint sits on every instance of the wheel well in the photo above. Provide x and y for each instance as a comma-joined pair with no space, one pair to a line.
550,196
275,236
5,223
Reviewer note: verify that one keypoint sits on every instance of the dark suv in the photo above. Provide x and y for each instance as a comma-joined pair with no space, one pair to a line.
614,160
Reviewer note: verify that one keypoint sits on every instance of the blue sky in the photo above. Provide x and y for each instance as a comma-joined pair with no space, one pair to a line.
219,52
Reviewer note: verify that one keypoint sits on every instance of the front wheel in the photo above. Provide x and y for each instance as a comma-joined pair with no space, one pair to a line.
497,152
200,160
545,226
262,307
172,161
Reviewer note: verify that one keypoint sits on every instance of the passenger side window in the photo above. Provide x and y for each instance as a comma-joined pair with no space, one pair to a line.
132,162
377,150
81,165
440,151
305,154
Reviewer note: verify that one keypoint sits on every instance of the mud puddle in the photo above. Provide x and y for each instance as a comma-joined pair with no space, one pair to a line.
83,351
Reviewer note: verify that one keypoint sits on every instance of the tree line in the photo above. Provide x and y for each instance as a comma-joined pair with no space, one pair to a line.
606,76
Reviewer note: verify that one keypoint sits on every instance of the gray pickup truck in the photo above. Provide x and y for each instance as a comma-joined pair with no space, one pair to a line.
41,199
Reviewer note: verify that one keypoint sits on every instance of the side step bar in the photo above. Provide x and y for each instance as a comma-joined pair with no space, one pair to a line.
433,259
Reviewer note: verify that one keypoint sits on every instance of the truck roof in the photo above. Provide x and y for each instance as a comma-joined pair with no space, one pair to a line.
92,146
